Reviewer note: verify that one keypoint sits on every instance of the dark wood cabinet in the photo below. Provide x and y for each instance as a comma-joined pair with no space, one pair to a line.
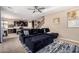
11,31
5,33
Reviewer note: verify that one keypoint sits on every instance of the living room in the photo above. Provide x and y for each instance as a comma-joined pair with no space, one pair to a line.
61,21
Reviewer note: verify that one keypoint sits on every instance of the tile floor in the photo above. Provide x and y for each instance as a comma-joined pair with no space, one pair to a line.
12,44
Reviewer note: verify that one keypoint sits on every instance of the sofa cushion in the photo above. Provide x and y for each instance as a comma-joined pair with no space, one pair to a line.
40,31
26,32
45,30
36,31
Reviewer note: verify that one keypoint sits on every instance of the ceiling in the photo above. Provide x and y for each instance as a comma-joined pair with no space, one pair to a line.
22,12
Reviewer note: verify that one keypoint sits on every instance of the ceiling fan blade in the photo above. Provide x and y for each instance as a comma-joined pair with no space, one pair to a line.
33,11
41,8
30,9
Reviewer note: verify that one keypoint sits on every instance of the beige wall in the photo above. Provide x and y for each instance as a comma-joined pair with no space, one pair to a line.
61,28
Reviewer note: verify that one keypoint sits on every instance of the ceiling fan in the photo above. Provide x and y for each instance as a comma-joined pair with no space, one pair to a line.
37,9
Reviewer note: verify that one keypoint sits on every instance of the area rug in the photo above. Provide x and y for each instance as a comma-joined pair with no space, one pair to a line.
57,47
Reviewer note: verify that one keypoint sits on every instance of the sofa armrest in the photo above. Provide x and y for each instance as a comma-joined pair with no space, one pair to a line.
54,35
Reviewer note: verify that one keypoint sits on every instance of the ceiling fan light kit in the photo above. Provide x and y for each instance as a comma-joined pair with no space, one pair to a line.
37,9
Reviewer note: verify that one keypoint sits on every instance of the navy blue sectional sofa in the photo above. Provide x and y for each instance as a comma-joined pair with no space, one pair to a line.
38,38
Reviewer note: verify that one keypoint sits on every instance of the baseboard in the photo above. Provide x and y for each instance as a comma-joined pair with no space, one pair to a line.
66,40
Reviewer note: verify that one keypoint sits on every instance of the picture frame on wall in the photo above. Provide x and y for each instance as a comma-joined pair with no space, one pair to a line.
56,20
73,19
71,15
